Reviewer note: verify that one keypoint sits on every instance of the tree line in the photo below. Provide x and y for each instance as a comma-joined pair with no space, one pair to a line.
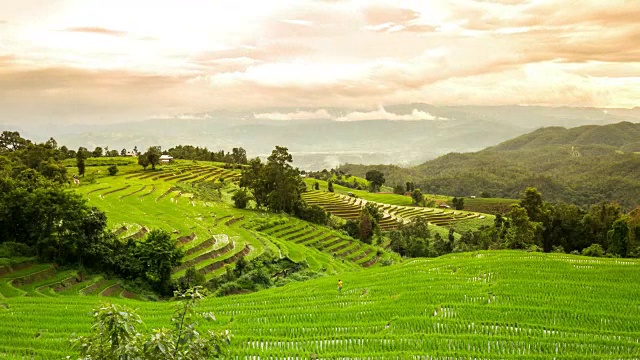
40,217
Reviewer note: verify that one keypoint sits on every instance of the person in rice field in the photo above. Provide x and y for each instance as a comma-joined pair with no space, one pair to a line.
339,285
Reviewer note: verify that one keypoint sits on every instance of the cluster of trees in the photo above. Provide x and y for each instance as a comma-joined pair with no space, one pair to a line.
404,189
367,225
275,185
416,240
150,157
534,224
66,229
236,156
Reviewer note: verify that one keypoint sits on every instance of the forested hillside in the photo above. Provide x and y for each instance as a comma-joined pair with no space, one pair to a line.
583,165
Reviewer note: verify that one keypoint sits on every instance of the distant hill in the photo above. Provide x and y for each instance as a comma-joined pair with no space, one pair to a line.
582,165
332,136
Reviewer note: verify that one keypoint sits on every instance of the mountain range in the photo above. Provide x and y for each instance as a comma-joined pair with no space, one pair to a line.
582,165
324,138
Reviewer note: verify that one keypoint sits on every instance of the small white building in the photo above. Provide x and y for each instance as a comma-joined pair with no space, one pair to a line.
165,159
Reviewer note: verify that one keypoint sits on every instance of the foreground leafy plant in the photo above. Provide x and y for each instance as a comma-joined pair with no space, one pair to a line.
114,334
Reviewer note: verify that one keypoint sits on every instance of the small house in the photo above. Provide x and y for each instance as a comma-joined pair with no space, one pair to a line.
165,159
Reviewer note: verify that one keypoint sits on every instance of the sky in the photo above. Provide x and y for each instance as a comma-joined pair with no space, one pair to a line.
91,61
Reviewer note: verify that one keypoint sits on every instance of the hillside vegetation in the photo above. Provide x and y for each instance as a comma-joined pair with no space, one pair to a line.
583,165
489,305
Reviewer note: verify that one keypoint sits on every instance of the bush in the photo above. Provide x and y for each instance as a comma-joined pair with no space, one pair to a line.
314,214
557,249
115,332
241,199
11,249
595,250
113,170
386,262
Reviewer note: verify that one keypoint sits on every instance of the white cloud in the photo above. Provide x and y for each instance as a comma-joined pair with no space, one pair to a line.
298,115
382,114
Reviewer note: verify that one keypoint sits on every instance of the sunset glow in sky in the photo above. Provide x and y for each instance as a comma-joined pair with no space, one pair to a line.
102,61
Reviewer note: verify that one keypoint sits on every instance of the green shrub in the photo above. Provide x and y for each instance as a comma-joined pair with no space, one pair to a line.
115,334
113,170
595,250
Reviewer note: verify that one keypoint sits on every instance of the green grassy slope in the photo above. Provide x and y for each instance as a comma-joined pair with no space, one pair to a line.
488,305
213,234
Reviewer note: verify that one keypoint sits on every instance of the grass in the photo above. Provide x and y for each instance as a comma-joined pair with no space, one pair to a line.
489,305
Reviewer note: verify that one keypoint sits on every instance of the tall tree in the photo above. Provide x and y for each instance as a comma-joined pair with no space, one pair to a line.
375,179
159,254
143,161
619,238
239,155
418,198
276,184
97,152
531,201
80,157
153,156
522,232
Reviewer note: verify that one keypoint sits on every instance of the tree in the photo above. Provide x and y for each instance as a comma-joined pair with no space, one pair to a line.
239,155
330,186
123,152
398,189
522,231
143,161
619,238
97,152
410,186
412,239
12,141
366,228
241,198
314,214
352,228
115,334
458,203
316,186
113,170
531,201
276,184
159,255
375,179
153,156
418,198
80,156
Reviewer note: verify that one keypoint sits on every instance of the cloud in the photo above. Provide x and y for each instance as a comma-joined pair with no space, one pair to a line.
382,114
96,30
298,115
321,114
298,22
376,15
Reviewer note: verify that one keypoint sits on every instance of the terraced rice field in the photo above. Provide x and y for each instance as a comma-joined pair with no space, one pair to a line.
338,246
212,234
485,305
349,208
